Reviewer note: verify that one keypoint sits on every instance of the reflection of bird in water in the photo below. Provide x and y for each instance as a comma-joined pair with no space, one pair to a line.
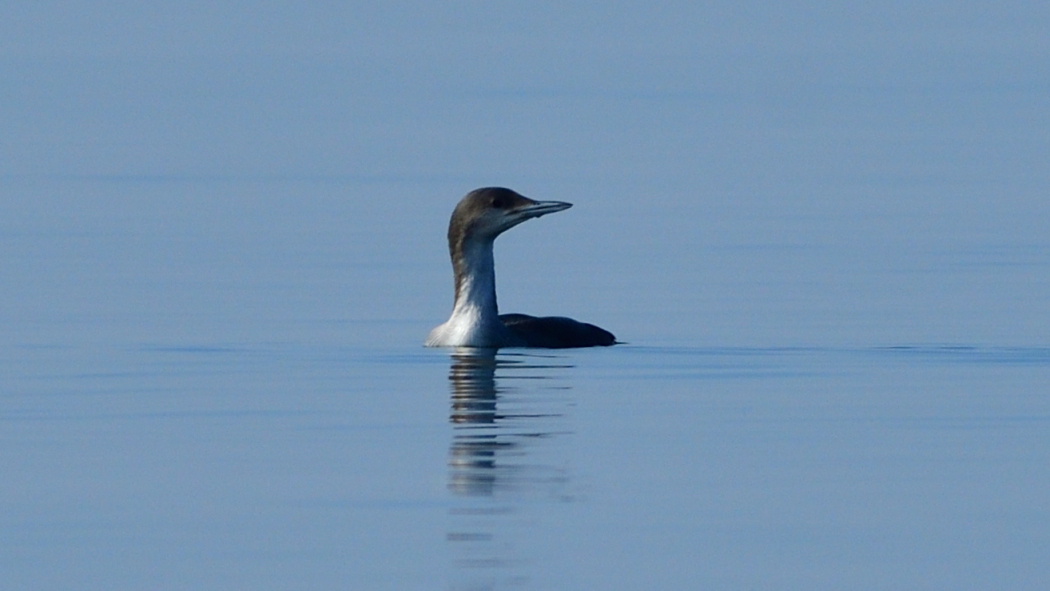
483,434
473,378
496,460
472,458
478,219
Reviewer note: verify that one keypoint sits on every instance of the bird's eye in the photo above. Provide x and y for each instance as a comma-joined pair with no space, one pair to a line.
499,202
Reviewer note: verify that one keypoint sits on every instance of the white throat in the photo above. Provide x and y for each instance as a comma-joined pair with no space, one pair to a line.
475,315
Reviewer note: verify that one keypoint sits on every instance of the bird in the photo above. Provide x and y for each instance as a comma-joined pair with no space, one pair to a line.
481,216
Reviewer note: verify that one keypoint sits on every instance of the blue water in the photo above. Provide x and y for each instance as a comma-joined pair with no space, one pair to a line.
820,233
295,466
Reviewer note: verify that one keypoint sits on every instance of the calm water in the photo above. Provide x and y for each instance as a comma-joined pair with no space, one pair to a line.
207,401
296,466
822,235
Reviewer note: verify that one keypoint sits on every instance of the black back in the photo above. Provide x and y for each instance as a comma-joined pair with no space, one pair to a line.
555,332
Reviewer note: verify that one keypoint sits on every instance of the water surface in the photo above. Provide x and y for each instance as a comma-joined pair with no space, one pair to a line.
320,466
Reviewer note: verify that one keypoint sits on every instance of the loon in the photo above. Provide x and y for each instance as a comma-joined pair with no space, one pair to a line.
478,219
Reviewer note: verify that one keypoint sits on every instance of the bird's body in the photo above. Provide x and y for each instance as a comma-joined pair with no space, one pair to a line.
478,219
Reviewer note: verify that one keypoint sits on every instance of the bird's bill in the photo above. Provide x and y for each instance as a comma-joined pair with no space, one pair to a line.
538,208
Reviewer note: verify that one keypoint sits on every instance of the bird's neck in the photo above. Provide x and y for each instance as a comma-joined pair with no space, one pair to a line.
475,273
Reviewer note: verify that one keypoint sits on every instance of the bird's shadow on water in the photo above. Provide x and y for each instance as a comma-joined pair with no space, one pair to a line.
506,454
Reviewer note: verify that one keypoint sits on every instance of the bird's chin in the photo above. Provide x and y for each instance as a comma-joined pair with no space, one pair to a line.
510,224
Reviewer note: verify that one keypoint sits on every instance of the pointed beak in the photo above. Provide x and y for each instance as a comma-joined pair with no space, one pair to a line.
539,208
